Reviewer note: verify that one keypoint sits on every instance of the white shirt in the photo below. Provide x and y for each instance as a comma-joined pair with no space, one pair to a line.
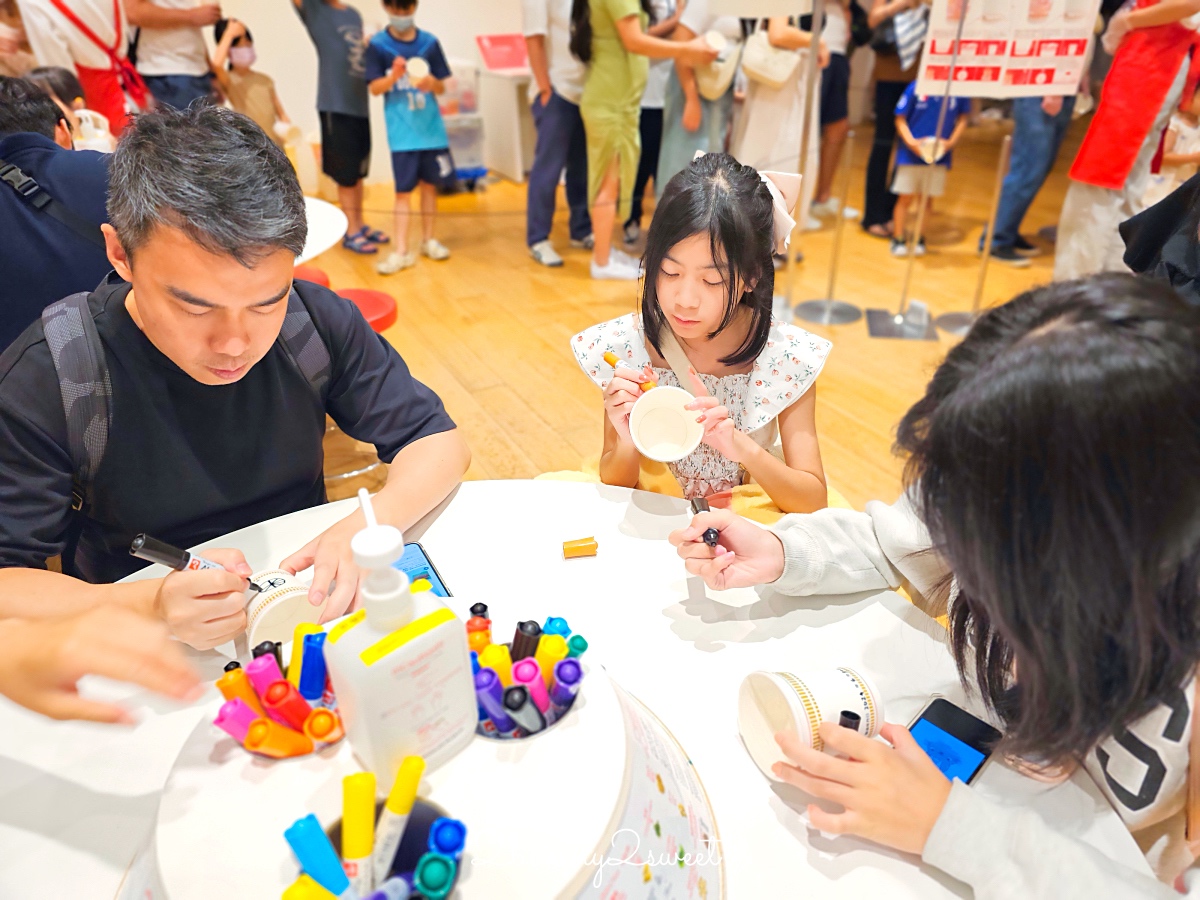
837,28
172,51
697,19
552,20
660,69
56,42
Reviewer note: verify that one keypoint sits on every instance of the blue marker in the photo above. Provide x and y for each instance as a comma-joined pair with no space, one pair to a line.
312,669
448,837
557,625
317,857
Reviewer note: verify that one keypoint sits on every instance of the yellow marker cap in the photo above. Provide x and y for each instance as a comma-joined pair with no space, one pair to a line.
551,649
610,358
579,548
403,794
358,815
293,672
304,888
497,658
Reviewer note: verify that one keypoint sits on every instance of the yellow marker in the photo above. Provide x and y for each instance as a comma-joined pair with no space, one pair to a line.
394,818
358,830
304,888
497,658
551,649
293,672
611,359
580,547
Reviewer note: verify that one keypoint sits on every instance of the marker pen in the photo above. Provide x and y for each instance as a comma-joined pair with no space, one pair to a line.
479,623
850,719
557,625
313,672
611,359
156,551
231,665
490,694
478,640
235,719
711,535
358,829
568,674
576,645
447,837
324,726
434,876
475,667
480,610
524,713
264,672
396,888
276,741
284,702
235,684
272,647
317,857
304,888
525,640
394,818
528,674
498,658
551,649
296,662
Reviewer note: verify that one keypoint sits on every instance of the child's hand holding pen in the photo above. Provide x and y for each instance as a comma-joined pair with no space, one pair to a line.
623,391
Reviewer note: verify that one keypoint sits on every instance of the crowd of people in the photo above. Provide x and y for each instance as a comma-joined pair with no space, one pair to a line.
151,311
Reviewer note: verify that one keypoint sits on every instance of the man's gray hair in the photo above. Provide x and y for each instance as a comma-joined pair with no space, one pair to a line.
213,174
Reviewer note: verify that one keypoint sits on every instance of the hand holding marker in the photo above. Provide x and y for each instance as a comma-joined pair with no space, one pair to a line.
611,359
156,551
711,535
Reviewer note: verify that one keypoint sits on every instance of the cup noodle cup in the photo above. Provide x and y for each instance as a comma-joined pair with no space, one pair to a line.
771,702
416,68
661,426
282,604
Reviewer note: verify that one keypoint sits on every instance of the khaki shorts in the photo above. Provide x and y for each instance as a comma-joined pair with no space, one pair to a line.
912,179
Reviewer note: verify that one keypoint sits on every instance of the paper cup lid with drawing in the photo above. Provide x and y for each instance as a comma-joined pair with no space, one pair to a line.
416,68
771,702
281,604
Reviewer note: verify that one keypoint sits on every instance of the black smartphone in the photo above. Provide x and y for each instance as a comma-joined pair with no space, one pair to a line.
957,742
416,564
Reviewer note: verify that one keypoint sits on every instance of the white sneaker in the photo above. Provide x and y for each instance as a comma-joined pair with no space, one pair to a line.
633,231
614,271
827,208
813,224
544,253
395,262
435,249
586,243
630,262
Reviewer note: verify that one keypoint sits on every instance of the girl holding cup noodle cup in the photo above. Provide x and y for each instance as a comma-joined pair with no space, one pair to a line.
706,330
1042,511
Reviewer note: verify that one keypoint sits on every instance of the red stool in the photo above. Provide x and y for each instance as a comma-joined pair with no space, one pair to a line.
311,273
378,308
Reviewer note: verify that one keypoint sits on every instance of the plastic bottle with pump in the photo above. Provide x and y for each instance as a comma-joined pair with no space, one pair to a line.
399,665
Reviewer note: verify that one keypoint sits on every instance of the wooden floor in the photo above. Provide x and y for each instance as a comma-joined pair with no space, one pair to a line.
489,329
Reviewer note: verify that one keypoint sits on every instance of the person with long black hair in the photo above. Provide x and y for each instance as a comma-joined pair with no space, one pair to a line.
610,36
1053,506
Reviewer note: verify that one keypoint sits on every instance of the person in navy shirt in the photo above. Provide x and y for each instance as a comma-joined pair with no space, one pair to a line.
42,259
408,67
923,156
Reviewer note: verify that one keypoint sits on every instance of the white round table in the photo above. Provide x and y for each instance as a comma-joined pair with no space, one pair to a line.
326,226
77,801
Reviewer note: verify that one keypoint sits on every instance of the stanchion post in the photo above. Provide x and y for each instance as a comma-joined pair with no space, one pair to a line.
959,323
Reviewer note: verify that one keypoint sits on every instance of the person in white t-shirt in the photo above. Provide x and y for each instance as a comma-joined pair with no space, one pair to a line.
835,104
171,55
555,91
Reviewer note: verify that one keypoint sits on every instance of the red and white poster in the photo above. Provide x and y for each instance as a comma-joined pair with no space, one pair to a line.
1009,48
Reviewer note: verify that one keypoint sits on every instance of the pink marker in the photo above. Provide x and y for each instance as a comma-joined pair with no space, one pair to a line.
264,672
234,719
527,673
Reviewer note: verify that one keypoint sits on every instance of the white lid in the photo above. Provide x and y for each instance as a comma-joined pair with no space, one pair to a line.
416,68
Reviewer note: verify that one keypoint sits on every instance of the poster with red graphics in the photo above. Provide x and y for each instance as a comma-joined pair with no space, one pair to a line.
1008,48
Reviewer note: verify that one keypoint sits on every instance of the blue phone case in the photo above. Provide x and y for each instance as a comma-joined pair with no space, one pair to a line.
415,563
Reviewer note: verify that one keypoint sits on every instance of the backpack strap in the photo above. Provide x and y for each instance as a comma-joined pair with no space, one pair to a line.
84,384
302,342
39,198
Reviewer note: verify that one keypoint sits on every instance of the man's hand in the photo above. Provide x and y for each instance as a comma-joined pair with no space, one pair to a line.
207,607
746,554
206,14
544,96
335,574
42,660
1052,106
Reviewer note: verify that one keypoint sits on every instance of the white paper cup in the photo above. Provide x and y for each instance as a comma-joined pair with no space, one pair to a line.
716,40
275,611
661,428
771,702
287,132
416,68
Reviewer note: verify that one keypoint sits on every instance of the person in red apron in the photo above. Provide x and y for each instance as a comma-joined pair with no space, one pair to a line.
1110,172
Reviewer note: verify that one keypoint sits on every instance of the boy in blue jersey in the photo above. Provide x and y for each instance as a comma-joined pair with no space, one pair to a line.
923,156
408,67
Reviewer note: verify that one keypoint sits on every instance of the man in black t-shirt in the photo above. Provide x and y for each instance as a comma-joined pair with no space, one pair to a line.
214,425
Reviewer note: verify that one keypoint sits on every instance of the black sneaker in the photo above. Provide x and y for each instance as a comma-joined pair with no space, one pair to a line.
1025,248
1010,256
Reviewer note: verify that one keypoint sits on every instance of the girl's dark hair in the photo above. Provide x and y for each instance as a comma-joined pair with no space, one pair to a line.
1055,459
718,196
581,28
57,82
219,32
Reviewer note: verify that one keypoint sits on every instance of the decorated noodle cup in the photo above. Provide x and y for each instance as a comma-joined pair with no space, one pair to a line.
771,702
416,68
661,426
282,604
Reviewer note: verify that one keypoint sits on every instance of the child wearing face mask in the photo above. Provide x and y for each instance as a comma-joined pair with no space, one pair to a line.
250,93
706,325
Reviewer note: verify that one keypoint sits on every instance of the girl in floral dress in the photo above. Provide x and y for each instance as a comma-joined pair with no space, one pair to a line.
709,286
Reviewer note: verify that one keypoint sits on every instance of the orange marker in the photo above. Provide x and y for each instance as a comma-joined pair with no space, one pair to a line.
285,704
234,685
324,727
581,547
611,359
478,640
272,739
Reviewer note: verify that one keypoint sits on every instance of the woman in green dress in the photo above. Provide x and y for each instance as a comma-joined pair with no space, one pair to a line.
610,36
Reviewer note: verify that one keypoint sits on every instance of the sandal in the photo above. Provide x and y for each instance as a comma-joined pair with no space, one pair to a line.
879,230
358,243
374,235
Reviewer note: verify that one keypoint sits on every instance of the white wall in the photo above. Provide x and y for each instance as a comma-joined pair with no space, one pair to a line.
287,55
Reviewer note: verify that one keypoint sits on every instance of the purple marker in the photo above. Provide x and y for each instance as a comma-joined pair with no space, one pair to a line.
568,674
234,719
490,694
